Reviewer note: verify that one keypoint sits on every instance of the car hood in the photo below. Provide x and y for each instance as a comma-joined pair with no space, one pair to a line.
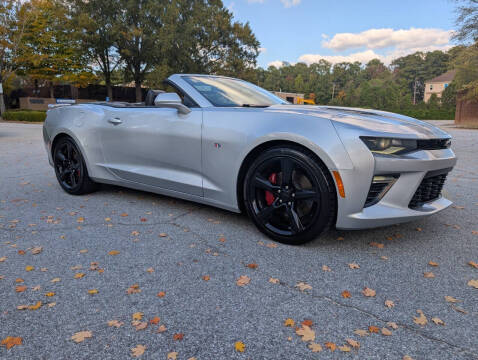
374,121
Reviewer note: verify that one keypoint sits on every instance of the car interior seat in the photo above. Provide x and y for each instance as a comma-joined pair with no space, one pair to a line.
150,96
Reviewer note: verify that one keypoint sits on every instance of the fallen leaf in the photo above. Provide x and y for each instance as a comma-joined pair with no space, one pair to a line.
2,259
83,251
459,309
243,280
93,291
11,341
289,322
432,263
29,268
36,250
79,275
138,350
315,347
81,336
18,280
373,329
451,299
113,252
115,323
155,320
428,275
326,268
386,332
377,245
133,289
252,266
389,303
55,280
138,315
438,321
163,235
36,288
36,306
178,336
345,348
172,355
368,292
346,294
306,333
161,294
303,286
80,220
406,357
271,245
207,278
161,329
274,281
420,320
307,322
361,332
50,305
355,344
139,325
20,288
124,215
331,346
239,346
393,325
354,266
473,283
473,264
150,270
50,294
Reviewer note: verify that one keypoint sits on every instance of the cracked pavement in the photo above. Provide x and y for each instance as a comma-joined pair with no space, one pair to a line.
214,314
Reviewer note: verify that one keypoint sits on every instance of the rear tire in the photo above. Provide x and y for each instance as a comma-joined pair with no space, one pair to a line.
70,168
289,195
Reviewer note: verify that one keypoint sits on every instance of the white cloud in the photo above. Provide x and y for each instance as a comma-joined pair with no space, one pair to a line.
262,50
278,64
383,38
290,3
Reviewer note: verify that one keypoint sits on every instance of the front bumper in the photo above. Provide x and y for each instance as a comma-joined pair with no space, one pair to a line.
47,142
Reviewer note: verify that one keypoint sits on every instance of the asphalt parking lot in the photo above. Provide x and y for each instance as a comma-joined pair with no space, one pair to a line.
166,270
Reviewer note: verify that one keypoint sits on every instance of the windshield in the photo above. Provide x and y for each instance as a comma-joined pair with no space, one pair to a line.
227,92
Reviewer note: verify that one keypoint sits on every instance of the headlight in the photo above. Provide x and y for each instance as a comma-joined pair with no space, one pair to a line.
389,146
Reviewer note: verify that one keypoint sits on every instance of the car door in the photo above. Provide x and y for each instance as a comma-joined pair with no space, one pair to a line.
154,146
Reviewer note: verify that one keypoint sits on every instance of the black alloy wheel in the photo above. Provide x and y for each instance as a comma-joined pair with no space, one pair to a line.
70,168
289,195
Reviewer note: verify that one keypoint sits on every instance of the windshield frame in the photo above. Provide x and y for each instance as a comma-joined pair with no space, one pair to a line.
274,99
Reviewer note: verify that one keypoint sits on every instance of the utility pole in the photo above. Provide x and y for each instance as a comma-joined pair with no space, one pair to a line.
333,91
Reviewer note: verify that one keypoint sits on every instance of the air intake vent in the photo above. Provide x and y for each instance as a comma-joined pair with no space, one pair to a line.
380,186
429,189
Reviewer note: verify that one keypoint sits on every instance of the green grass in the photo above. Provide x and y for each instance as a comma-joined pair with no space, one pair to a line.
25,115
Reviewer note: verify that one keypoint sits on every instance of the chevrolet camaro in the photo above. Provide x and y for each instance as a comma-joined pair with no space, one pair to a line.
295,170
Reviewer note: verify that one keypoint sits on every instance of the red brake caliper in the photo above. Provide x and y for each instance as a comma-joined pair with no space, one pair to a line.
269,196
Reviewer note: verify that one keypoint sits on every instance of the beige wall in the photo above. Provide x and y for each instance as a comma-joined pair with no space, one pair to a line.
292,97
434,88
33,103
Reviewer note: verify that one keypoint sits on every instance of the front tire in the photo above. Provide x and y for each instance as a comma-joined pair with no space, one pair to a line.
70,168
289,195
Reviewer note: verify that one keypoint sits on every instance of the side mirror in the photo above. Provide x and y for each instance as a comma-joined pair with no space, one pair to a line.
171,100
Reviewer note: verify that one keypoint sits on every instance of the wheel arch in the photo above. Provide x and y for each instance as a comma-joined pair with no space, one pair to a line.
66,134
252,155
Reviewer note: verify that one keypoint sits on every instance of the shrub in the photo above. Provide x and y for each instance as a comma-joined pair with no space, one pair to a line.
25,115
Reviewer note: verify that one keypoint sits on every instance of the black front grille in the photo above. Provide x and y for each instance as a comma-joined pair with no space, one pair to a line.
430,188
434,144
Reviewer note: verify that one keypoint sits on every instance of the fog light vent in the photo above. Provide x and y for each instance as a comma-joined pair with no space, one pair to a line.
380,186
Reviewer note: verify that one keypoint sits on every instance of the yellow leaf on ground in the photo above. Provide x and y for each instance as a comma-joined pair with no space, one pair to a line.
473,264
243,280
79,275
355,344
29,268
438,321
55,280
289,322
354,266
274,281
163,235
315,347
368,292
172,355
80,220
429,275
389,303
50,294
346,294
239,346
133,289
451,299
386,332
473,283
345,348
138,315
161,294
161,329
393,325
115,323
373,329
432,263
306,333
36,306
139,325
93,291
81,336
406,357
113,252
303,286
20,288
11,341
326,268
331,346
420,320
361,332
138,350
36,250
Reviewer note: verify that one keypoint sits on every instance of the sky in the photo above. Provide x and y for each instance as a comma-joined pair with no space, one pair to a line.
345,30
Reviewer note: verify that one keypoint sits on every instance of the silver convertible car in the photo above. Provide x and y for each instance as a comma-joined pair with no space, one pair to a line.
296,170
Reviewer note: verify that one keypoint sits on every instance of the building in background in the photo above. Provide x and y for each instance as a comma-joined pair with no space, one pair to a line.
438,85
293,98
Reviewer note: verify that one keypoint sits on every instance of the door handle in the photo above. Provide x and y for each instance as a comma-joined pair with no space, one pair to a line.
115,121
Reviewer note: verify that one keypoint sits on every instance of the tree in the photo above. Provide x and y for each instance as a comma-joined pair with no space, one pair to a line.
467,21
97,23
49,50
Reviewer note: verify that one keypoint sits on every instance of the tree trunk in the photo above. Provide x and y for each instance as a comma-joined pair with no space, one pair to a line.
109,92
139,95
52,90
2,99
